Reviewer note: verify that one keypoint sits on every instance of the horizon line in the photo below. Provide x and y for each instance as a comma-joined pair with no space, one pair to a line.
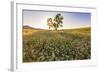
58,28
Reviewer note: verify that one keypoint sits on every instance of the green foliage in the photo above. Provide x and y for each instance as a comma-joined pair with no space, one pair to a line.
48,45
55,22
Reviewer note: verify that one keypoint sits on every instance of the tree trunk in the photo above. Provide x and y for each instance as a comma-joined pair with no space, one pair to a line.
49,27
55,28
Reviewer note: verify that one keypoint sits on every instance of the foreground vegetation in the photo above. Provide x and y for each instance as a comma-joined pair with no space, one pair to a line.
47,45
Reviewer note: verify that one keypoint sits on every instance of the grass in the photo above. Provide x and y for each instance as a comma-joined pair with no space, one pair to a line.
47,45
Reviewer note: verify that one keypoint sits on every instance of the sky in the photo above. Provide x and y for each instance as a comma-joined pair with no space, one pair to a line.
38,19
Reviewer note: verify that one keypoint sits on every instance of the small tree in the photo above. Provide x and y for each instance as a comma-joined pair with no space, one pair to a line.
55,22
58,21
50,23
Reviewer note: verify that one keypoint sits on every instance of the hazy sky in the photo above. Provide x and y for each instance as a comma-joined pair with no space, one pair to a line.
38,19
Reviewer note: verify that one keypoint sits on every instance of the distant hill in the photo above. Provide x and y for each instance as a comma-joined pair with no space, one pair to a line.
29,27
82,28
32,28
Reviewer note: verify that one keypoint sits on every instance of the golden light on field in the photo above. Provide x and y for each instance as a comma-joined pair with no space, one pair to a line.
27,32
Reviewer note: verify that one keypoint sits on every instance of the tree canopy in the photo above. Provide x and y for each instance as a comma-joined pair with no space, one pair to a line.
55,22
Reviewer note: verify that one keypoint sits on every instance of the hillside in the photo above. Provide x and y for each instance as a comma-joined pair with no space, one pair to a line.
27,30
48,45
29,27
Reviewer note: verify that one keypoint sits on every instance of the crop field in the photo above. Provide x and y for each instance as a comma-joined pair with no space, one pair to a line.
61,45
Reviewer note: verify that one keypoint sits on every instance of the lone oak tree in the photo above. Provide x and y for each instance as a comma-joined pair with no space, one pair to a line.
55,22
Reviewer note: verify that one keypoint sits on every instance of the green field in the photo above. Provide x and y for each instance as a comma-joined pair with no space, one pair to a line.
61,45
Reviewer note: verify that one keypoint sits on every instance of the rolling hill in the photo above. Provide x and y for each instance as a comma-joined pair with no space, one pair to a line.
46,45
